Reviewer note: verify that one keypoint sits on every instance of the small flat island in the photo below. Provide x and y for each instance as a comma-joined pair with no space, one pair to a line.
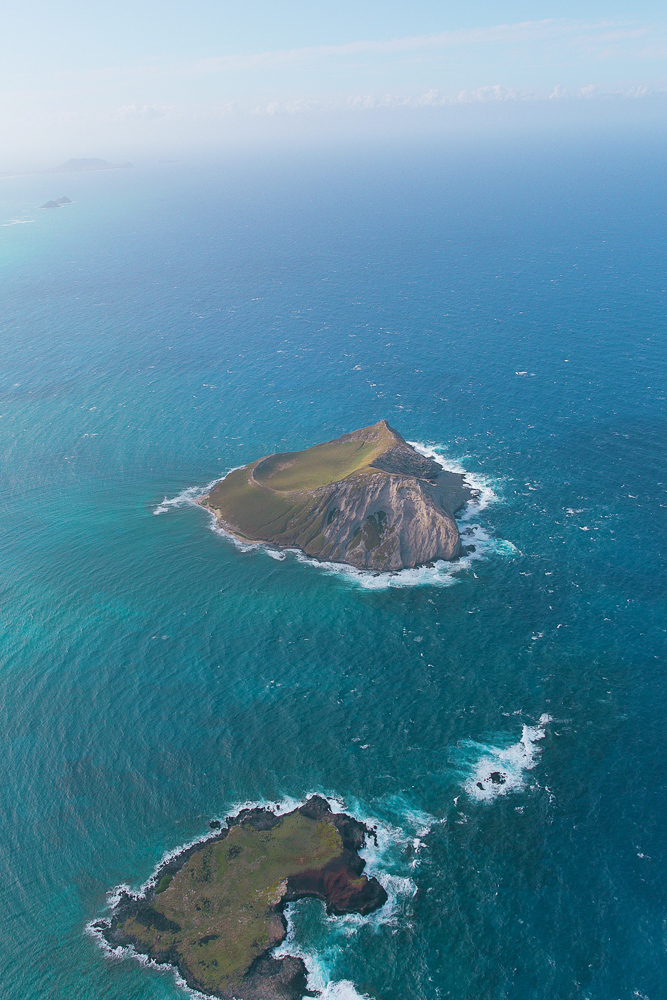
216,910
367,498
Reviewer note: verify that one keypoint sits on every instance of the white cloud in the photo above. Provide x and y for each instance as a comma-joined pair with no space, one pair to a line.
143,112
435,98
554,60
595,38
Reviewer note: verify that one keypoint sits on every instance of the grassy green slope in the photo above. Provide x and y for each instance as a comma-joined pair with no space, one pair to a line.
253,511
261,500
315,467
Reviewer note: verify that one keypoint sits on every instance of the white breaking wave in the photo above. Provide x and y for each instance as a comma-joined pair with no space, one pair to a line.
127,951
494,771
485,494
185,498
438,574
319,975
342,990
477,540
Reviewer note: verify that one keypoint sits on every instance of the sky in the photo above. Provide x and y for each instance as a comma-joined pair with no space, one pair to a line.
97,79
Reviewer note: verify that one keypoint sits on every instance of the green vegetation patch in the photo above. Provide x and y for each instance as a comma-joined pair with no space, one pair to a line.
314,467
253,511
217,914
164,883
273,498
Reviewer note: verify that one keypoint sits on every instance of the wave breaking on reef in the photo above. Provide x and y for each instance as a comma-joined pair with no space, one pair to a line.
186,497
321,940
477,541
485,494
493,771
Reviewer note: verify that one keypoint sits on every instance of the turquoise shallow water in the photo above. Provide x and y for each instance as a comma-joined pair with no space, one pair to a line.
176,321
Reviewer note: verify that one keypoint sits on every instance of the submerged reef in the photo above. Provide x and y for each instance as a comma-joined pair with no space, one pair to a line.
367,498
215,910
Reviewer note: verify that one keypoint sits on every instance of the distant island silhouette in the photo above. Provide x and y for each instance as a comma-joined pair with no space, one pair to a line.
58,203
80,165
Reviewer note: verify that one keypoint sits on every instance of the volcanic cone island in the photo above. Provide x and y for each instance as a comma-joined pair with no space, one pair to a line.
367,498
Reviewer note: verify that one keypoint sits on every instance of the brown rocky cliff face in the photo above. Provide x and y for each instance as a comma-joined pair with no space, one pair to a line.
375,520
395,514
342,886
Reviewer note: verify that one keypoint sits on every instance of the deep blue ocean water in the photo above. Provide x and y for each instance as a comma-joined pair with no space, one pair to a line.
505,305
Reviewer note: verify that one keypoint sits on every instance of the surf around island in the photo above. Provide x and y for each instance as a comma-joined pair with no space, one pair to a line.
215,910
368,499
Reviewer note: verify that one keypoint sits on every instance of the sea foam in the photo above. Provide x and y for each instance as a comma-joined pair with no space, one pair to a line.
493,771
481,485
391,856
186,497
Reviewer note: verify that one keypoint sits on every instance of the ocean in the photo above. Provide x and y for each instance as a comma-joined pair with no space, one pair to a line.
501,305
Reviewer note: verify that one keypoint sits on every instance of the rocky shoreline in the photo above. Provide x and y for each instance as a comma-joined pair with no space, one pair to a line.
190,918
